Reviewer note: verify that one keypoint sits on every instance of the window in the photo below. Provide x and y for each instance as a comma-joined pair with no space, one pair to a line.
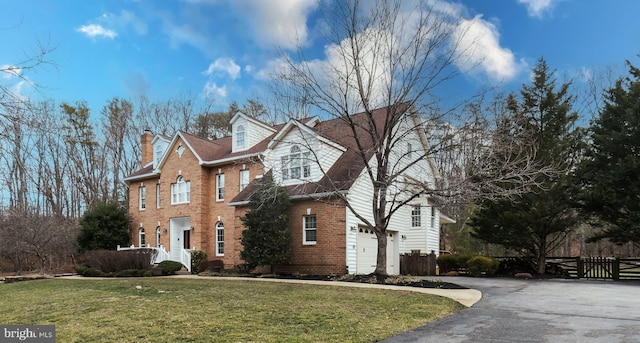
141,240
219,187
219,239
180,191
310,227
143,197
157,236
434,213
240,136
415,216
409,150
158,195
296,165
244,178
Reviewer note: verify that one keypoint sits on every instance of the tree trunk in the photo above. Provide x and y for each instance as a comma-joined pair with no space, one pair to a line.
542,256
381,260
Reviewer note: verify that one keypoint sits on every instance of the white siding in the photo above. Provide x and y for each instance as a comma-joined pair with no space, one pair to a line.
254,133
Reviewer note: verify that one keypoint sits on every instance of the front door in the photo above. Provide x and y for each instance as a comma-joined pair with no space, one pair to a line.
179,235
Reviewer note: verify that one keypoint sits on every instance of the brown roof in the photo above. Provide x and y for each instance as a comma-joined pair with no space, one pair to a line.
347,168
339,177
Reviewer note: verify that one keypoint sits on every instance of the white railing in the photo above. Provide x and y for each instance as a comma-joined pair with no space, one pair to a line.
185,258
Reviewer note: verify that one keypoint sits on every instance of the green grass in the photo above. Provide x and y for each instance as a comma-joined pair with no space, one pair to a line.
210,310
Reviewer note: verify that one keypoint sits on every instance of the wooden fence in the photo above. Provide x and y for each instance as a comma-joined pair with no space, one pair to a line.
595,267
418,264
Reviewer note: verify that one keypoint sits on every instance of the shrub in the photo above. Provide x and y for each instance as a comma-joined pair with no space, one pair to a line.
169,267
109,261
452,262
478,265
198,261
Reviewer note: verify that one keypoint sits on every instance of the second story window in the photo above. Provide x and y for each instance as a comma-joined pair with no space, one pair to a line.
180,191
296,165
240,136
157,195
142,197
416,216
219,187
244,178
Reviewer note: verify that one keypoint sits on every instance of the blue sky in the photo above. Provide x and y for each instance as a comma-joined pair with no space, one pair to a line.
222,48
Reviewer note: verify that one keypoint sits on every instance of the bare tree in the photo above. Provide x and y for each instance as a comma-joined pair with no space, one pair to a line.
384,56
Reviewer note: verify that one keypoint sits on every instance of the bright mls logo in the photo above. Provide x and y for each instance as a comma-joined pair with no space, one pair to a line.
27,333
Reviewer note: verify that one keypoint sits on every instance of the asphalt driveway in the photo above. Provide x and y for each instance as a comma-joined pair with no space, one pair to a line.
555,310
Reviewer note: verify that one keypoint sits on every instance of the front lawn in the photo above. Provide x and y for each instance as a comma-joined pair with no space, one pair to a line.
210,310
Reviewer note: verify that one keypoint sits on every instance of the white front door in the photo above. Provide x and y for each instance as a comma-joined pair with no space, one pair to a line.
177,228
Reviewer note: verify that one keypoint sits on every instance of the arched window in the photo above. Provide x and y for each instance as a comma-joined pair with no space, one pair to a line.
180,191
141,240
240,136
296,165
157,236
219,239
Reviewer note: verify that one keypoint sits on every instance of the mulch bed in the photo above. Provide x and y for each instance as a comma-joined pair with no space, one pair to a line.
379,279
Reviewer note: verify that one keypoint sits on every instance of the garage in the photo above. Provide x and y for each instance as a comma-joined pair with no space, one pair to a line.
367,247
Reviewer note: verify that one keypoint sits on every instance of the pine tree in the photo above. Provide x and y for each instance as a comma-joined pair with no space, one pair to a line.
609,173
536,222
267,239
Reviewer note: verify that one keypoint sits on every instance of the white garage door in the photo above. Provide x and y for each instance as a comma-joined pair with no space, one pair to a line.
367,245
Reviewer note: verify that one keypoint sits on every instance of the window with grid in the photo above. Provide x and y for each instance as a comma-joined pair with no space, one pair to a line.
141,239
219,239
180,191
244,178
415,216
296,165
240,136
158,195
157,236
219,187
310,228
142,197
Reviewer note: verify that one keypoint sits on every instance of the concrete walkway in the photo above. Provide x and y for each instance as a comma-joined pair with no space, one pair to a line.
554,310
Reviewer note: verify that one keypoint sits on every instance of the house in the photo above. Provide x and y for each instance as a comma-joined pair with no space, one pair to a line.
191,193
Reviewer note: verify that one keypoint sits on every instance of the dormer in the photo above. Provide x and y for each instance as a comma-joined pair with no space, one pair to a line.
160,145
247,132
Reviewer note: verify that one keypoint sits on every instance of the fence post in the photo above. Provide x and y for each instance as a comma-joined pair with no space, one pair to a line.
579,267
431,263
615,273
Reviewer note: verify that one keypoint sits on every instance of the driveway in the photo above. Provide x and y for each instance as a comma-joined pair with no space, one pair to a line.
555,310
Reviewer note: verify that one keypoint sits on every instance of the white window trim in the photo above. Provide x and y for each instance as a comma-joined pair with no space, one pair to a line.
304,230
158,202
142,198
298,161
220,187
240,133
219,243
141,238
181,186
157,236
416,217
244,178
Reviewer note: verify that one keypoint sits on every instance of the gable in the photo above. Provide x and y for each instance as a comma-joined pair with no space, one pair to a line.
246,132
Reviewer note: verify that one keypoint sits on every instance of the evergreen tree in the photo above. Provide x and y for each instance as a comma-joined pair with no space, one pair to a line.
104,226
609,173
267,239
537,221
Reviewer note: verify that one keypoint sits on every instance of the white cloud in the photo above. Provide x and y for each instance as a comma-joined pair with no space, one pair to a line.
94,30
226,65
212,90
537,8
282,23
478,46
9,71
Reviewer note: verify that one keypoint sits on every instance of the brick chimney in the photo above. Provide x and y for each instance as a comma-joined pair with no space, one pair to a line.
147,147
